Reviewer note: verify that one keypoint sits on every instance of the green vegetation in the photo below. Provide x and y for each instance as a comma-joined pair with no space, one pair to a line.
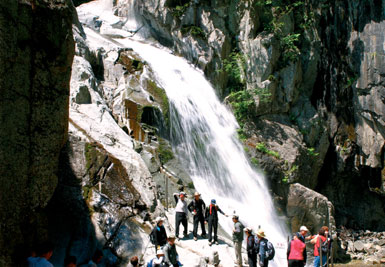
262,148
165,152
194,31
311,152
290,49
160,95
255,162
179,10
191,185
288,173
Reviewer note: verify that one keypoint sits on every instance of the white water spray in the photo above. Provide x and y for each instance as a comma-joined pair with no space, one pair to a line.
204,137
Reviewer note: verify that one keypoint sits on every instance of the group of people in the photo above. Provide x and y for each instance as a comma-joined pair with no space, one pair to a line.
296,251
258,246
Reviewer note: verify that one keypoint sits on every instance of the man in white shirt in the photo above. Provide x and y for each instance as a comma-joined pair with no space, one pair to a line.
180,213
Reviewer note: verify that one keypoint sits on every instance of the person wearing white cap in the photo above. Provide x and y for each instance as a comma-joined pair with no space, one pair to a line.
251,253
158,235
302,236
158,261
197,207
181,213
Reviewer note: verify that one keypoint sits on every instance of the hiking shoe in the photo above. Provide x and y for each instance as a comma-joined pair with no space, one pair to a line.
210,244
195,239
178,239
203,235
216,243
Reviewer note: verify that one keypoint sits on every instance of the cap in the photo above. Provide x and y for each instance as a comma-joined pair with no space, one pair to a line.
213,201
303,228
196,194
261,233
235,216
171,237
159,219
182,193
160,252
248,229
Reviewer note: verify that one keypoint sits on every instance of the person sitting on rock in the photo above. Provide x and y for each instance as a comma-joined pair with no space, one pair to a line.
211,217
318,240
295,251
158,235
44,253
171,257
197,207
181,213
250,245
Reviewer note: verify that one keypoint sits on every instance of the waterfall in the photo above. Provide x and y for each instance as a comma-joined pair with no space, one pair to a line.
203,133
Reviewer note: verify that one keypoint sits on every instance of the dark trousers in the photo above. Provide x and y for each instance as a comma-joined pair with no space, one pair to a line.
296,263
199,219
265,263
180,217
252,260
213,225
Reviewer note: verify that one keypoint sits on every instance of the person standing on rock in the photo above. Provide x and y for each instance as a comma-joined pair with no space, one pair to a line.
181,213
238,239
295,252
158,235
261,249
211,217
318,242
197,207
171,257
250,241
301,235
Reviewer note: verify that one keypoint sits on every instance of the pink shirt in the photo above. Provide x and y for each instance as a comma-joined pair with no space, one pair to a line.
296,250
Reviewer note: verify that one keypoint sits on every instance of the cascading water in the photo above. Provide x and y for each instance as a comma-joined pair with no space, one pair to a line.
204,137
203,133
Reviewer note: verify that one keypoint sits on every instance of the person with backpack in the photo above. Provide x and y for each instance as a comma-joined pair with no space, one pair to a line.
250,241
197,207
181,213
158,236
211,217
171,257
264,249
238,239
295,251
321,246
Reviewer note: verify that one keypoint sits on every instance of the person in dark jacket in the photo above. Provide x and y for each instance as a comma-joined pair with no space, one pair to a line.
197,207
261,248
250,242
181,213
159,235
171,257
211,217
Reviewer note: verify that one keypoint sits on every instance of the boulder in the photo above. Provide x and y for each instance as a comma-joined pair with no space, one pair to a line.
307,207
359,246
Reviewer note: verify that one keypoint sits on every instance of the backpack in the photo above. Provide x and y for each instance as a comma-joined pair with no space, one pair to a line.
270,251
152,236
324,246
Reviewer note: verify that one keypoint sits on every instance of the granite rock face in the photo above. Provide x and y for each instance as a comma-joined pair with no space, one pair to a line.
36,51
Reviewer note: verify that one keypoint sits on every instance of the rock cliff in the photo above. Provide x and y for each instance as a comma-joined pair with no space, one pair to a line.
36,51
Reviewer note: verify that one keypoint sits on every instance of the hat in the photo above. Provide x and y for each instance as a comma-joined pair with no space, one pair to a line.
235,216
213,201
261,233
160,252
159,219
182,193
196,194
171,237
248,229
303,228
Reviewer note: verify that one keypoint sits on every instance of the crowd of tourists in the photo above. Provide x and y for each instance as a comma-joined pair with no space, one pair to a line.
259,249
